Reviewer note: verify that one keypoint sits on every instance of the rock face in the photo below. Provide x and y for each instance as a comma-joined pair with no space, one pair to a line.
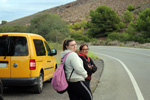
80,9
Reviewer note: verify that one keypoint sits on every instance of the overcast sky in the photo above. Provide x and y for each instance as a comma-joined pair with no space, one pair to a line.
14,9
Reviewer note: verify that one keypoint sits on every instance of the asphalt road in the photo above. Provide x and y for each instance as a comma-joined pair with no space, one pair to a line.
126,74
25,93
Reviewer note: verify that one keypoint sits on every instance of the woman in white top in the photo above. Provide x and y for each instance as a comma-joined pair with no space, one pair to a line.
77,87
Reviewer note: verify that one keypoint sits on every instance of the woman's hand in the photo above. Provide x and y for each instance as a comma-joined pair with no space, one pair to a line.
90,66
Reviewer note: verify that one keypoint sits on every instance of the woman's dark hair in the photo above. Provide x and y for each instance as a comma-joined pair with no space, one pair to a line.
66,43
81,47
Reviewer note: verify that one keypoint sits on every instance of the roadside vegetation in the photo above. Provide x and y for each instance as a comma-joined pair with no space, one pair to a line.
92,55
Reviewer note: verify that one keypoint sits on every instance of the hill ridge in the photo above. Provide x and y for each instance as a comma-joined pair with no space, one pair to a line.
78,10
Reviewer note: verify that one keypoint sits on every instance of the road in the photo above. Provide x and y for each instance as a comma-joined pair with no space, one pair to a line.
25,93
126,74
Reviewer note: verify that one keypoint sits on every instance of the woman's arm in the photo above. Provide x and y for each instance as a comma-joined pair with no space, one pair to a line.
86,66
77,64
94,68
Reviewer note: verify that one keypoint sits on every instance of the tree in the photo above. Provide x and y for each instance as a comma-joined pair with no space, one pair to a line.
131,29
13,28
128,16
143,22
3,22
103,21
47,24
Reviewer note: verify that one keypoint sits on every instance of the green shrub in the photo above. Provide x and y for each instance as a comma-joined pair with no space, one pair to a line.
131,29
123,37
148,40
139,39
143,23
77,25
13,28
114,36
128,16
80,37
122,25
130,7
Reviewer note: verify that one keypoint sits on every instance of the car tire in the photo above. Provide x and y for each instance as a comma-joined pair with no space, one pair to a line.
49,80
38,88
1,90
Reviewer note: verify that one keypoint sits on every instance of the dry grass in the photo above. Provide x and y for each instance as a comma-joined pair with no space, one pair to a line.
117,43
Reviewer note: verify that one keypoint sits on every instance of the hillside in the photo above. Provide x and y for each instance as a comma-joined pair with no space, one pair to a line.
79,10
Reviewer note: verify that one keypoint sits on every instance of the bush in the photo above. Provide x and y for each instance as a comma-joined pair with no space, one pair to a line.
13,28
131,28
130,7
143,23
128,16
114,36
122,25
123,37
80,37
103,21
139,39
77,25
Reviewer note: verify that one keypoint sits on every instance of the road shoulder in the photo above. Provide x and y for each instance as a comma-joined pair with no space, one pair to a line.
96,76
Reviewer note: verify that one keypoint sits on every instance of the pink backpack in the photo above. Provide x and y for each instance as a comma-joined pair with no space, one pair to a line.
59,82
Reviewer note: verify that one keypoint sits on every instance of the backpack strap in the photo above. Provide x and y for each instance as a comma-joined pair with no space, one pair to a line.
63,59
71,74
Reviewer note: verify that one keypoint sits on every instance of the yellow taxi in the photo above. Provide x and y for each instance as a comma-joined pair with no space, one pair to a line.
26,60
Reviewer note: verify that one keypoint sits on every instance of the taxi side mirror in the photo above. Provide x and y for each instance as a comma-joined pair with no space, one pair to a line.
54,52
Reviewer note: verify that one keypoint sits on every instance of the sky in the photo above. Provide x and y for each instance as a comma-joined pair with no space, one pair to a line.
14,9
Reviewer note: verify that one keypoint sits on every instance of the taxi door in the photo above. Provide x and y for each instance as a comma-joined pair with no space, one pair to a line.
49,69
4,56
20,56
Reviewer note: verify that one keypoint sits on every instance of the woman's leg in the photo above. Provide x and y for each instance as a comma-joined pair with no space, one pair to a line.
73,91
79,90
86,93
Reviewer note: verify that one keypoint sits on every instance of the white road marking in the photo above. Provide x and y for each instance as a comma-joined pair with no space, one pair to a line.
135,85
127,51
127,48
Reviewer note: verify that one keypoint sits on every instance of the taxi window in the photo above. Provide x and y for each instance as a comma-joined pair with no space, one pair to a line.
3,45
39,47
13,46
48,49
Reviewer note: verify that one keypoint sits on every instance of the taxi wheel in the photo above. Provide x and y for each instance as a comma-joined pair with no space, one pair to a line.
1,90
38,88
48,81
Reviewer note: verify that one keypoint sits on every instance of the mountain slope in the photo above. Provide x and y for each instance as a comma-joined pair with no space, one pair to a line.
80,9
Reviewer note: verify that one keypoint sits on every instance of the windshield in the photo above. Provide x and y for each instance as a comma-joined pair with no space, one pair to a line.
18,46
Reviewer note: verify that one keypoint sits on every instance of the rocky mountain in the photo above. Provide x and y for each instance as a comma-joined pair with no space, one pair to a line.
80,9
